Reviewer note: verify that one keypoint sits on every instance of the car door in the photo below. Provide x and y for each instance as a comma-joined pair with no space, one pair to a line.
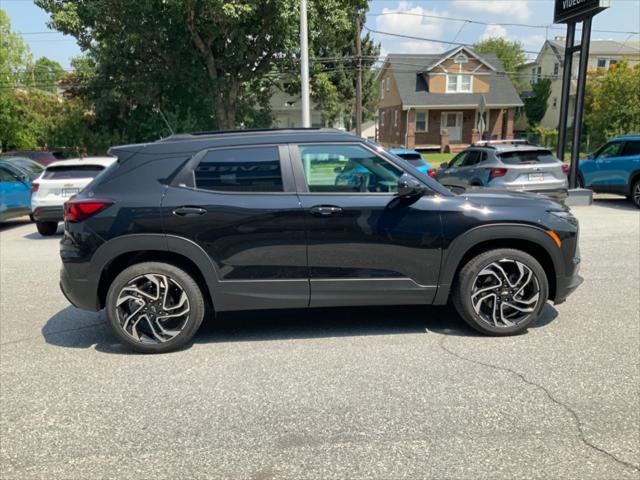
451,175
605,165
240,206
628,165
366,245
468,172
15,190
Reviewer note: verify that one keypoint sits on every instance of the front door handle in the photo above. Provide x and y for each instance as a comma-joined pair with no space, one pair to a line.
325,210
189,211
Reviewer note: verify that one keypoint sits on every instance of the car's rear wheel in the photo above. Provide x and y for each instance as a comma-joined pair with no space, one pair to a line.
47,229
635,193
155,307
501,292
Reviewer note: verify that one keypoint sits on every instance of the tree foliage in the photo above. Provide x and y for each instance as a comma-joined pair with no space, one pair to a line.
510,53
535,106
612,103
212,62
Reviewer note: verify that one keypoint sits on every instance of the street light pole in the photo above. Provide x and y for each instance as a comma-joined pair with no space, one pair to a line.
358,77
304,65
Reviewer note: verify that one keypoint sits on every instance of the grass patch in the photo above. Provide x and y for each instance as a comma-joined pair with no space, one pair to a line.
435,159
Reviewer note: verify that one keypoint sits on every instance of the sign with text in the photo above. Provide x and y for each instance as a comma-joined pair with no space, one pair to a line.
568,11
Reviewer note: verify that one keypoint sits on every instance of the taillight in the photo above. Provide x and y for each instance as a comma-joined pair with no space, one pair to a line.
496,172
565,169
34,187
432,172
81,209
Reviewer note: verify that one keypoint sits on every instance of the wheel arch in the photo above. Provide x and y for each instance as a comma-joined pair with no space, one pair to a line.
633,177
530,239
122,252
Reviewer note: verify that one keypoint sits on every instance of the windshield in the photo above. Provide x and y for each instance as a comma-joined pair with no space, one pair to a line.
527,156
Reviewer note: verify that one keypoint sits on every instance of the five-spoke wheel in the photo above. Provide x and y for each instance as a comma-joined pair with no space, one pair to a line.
155,307
501,292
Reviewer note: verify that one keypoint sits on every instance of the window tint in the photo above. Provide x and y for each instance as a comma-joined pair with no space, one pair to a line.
472,158
527,156
347,168
251,169
610,150
71,172
631,148
6,176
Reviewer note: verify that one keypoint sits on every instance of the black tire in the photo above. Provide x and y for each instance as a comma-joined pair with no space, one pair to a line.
177,277
46,229
469,275
635,193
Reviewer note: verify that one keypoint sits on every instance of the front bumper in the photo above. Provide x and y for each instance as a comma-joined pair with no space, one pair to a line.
48,214
565,286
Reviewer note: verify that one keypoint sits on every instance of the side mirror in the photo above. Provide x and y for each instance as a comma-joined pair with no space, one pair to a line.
590,156
25,179
338,170
410,187
444,165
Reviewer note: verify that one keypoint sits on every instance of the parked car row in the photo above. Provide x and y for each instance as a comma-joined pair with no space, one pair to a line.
516,165
28,188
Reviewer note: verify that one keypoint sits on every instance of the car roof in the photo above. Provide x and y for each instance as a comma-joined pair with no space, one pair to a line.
192,142
511,148
72,162
631,136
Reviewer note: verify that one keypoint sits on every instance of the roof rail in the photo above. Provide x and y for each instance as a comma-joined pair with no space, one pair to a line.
490,143
183,136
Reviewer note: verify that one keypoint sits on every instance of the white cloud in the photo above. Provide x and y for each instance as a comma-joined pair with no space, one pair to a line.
494,31
531,41
420,47
515,9
414,24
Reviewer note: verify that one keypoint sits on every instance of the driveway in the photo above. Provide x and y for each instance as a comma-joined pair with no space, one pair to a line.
398,392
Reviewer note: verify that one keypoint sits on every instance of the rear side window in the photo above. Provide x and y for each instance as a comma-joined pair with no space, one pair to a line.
631,149
414,159
472,158
251,169
71,172
527,156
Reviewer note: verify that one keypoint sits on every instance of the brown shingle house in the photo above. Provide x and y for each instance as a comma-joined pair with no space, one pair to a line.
433,101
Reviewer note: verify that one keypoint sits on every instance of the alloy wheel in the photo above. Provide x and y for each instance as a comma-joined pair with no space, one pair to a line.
636,194
505,293
152,308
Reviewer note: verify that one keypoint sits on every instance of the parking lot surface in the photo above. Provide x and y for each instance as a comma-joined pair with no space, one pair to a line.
398,392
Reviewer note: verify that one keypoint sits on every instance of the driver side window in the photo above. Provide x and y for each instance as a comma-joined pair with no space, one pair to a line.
347,169
458,160
610,150
6,176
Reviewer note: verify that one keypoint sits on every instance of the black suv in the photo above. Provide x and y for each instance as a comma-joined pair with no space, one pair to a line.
249,220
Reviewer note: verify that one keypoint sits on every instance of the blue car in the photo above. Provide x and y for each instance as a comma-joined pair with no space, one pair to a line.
614,168
15,192
415,159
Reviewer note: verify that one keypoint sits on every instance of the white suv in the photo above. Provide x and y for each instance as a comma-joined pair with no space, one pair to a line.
60,181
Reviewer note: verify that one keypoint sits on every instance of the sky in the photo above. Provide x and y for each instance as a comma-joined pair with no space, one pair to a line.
623,16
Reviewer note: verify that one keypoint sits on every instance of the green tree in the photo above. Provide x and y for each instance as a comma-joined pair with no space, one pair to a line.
510,53
212,58
535,106
612,104
44,74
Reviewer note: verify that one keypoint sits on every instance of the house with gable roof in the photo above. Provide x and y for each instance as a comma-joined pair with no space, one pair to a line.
445,101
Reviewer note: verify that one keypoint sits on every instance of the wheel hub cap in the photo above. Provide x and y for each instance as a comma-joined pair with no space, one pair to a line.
505,293
152,308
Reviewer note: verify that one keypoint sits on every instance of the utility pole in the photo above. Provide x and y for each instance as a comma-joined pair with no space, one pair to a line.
358,76
304,65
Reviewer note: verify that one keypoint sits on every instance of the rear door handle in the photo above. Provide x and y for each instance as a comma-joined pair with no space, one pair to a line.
325,210
189,211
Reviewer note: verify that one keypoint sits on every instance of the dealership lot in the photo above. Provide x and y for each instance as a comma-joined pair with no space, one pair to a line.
398,392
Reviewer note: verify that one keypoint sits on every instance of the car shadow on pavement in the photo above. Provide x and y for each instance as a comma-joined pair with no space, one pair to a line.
617,203
17,222
73,328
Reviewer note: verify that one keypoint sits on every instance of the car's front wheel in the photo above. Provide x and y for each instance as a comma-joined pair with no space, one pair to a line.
155,307
47,229
635,193
501,292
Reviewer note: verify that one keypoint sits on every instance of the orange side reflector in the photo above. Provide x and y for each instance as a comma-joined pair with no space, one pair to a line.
555,237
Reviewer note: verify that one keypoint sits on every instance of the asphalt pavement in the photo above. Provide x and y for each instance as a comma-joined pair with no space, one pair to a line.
397,392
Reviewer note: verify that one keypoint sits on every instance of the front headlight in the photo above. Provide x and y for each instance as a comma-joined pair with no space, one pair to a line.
565,215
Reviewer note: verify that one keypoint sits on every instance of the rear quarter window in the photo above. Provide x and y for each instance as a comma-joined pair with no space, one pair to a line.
72,172
527,156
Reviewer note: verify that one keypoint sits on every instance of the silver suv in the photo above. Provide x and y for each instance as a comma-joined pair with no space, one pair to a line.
508,165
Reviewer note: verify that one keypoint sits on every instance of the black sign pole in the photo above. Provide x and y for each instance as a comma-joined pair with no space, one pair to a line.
566,86
582,81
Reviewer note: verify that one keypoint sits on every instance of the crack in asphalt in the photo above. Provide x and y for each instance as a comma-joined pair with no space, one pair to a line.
566,407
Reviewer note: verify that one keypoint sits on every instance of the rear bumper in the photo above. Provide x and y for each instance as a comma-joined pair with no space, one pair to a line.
81,293
48,214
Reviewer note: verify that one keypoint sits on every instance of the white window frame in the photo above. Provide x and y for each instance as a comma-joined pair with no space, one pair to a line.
382,118
426,121
458,88
382,89
388,84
